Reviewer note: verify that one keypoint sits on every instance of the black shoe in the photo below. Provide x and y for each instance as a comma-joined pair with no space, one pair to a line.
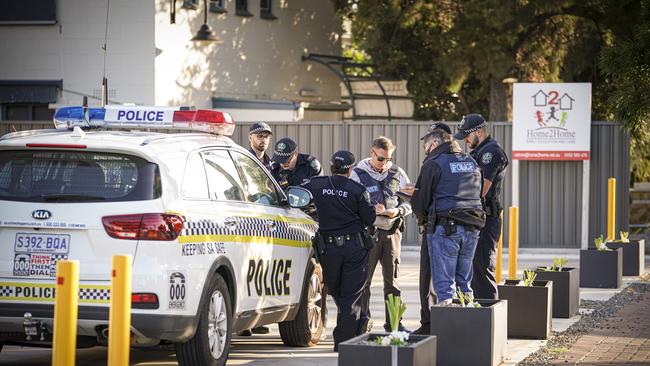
425,329
245,333
400,328
261,330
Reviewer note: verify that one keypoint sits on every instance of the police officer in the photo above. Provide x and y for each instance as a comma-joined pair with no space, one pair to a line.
427,295
383,179
447,199
344,211
259,135
493,162
290,168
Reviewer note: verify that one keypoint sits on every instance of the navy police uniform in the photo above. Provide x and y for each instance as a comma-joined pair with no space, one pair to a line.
493,161
344,212
306,166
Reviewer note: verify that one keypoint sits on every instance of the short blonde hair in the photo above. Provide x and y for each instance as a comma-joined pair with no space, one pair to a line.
383,142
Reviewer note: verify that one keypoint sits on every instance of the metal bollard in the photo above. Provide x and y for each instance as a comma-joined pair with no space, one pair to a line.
119,326
499,266
66,301
513,242
611,209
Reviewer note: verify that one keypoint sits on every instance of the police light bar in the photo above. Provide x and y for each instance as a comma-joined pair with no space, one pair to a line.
117,116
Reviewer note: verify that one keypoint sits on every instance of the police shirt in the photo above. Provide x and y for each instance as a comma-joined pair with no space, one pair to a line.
448,180
493,162
266,161
306,167
349,215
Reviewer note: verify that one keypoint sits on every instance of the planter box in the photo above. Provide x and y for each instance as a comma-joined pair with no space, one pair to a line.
602,269
566,290
421,351
530,309
471,336
633,256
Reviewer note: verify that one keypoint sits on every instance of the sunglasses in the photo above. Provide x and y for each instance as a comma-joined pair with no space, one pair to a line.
381,159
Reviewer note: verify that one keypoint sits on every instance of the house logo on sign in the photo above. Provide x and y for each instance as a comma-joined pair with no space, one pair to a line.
551,109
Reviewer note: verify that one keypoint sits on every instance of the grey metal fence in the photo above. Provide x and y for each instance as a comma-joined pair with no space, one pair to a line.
550,192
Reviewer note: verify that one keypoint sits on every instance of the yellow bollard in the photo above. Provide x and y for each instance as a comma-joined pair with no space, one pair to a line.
499,266
513,242
66,301
119,326
611,209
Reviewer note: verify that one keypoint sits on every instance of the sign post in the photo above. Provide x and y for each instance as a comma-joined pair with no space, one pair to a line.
552,122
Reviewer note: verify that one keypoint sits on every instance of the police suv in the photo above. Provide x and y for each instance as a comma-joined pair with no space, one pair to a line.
216,246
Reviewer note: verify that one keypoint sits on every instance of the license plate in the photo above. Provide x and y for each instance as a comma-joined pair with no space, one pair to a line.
42,243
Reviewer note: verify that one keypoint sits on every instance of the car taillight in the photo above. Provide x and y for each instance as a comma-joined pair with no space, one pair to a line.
144,301
149,226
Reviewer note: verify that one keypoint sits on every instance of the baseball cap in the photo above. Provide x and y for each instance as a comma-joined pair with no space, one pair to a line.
439,126
259,127
283,150
469,124
342,159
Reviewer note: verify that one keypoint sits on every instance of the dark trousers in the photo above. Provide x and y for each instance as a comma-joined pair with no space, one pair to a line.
484,281
387,252
427,295
345,270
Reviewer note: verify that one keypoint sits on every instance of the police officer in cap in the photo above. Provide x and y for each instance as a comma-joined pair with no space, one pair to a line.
493,162
259,135
447,200
290,168
342,242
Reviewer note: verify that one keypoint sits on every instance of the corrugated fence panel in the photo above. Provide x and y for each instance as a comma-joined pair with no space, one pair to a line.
550,192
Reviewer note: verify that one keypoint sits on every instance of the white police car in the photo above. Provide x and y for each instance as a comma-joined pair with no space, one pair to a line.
216,246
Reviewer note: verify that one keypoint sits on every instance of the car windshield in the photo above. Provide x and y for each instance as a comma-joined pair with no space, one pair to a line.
65,176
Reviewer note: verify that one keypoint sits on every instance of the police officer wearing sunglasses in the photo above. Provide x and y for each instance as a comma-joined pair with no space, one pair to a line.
342,242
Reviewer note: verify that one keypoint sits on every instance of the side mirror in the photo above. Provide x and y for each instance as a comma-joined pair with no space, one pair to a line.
298,197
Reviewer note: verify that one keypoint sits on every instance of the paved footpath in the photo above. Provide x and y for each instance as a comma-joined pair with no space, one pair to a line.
623,339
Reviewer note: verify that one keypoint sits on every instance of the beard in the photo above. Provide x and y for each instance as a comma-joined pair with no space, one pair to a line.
474,142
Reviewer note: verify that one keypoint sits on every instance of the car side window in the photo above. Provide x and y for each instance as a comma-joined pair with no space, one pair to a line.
223,180
195,182
259,187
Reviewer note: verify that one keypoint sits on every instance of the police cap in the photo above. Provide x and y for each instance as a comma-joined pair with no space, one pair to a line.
436,126
283,150
469,124
342,159
259,127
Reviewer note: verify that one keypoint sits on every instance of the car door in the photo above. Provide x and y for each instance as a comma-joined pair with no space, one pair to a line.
276,269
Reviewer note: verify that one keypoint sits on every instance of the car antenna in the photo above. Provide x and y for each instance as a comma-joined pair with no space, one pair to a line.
104,80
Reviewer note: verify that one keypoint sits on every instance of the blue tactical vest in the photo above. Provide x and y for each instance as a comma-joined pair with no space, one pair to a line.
459,185
383,191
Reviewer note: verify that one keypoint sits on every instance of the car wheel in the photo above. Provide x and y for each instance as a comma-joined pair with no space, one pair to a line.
306,329
211,341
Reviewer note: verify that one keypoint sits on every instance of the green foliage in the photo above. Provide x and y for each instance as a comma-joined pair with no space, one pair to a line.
559,263
466,300
529,277
625,237
599,242
396,309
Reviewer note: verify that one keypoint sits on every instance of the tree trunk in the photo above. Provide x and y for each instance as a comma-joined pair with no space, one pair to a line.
499,104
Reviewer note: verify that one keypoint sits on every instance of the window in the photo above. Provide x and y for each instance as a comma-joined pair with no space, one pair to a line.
191,4
223,180
266,9
259,187
27,12
241,8
218,6
62,176
195,183
26,112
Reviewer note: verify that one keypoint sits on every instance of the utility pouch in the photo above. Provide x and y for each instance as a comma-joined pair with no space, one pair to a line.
366,240
318,244
450,227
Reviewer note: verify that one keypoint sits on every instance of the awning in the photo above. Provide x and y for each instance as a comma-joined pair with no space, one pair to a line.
29,91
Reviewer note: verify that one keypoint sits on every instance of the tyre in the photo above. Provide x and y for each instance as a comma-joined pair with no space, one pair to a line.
306,329
211,342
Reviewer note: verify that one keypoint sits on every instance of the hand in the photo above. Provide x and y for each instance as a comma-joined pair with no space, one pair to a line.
393,212
408,189
379,209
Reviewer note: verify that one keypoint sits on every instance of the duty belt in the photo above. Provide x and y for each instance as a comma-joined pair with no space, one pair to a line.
446,221
339,240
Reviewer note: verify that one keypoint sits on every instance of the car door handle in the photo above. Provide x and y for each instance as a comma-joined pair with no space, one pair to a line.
230,222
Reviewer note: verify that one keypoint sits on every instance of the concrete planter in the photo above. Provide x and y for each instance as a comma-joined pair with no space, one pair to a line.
633,256
471,336
530,308
566,290
421,351
601,268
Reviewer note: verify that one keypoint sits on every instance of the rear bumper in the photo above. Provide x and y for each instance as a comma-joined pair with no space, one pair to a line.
174,328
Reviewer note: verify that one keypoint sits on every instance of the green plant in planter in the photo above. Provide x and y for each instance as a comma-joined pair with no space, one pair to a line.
396,309
625,237
558,265
599,242
467,300
529,277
